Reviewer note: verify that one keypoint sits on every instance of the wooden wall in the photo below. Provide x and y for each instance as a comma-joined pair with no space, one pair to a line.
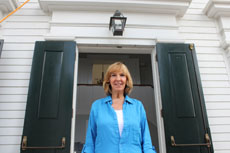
199,29
30,24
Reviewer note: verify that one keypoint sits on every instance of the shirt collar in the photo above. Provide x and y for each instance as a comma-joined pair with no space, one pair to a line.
127,99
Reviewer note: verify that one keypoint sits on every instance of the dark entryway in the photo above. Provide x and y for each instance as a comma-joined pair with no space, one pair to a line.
91,69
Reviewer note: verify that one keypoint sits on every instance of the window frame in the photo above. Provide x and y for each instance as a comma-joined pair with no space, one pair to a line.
1,46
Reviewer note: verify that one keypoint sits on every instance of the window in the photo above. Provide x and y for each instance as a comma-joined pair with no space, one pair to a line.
98,73
1,45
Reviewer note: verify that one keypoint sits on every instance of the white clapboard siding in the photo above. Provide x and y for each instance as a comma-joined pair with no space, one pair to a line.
17,54
198,18
12,106
207,63
218,106
201,36
30,12
10,148
220,128
197,28
20,31
218,113
24,18
212,58
207,50
12,114
11,131
216,84
26,32
214,77
4,140
212,70
204,43
31,24
216,90
13,90
14,76
22,39
200,30
18,46
13,98
219,121
222,98
13,69
221,146
221,137
11,123
14,83
15,61
189,23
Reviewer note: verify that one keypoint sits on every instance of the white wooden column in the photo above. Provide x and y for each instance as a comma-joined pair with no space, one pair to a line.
220,10
6,6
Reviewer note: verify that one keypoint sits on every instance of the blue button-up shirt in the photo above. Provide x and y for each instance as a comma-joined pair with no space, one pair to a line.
103,131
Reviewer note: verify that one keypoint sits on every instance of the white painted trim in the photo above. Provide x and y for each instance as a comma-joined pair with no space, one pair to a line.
105,41
1,17
8,5
176,7
220,11
158,103
74,102
149,49
56,38
139,26
217,8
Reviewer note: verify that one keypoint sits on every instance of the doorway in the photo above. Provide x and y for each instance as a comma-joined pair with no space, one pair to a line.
91,70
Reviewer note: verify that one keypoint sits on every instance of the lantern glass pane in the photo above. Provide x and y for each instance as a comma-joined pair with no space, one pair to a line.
118,27
118,24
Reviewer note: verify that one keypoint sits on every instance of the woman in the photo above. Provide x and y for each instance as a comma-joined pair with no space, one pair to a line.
118,123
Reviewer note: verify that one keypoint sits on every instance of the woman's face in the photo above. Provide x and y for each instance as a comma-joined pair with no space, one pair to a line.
118,81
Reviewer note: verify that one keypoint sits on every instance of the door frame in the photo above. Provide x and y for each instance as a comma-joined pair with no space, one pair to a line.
130,49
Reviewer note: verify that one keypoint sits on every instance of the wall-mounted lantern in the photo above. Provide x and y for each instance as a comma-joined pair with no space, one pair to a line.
117,23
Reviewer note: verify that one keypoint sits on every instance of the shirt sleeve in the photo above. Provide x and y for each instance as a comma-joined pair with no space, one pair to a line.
91,134
147,146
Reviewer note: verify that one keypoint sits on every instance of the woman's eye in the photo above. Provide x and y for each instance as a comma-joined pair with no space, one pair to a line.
122,75
113,75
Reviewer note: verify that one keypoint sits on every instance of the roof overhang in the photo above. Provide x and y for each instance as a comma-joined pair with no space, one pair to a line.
220,10
216,8
8,5
177,7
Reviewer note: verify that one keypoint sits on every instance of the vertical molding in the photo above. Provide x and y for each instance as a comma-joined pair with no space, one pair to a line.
6,6
74,103
219,10
158,102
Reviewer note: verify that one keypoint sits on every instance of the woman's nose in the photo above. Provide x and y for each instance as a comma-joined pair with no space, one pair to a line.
118,77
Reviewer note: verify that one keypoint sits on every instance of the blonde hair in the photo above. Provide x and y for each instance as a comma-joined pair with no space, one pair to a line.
117,67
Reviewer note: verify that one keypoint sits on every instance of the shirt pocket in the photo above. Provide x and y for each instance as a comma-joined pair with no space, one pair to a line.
136,136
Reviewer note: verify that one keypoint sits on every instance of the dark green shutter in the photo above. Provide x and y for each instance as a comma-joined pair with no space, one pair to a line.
184,112
49,104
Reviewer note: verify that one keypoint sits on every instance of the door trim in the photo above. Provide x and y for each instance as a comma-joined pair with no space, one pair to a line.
136,49
158,104
74,102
